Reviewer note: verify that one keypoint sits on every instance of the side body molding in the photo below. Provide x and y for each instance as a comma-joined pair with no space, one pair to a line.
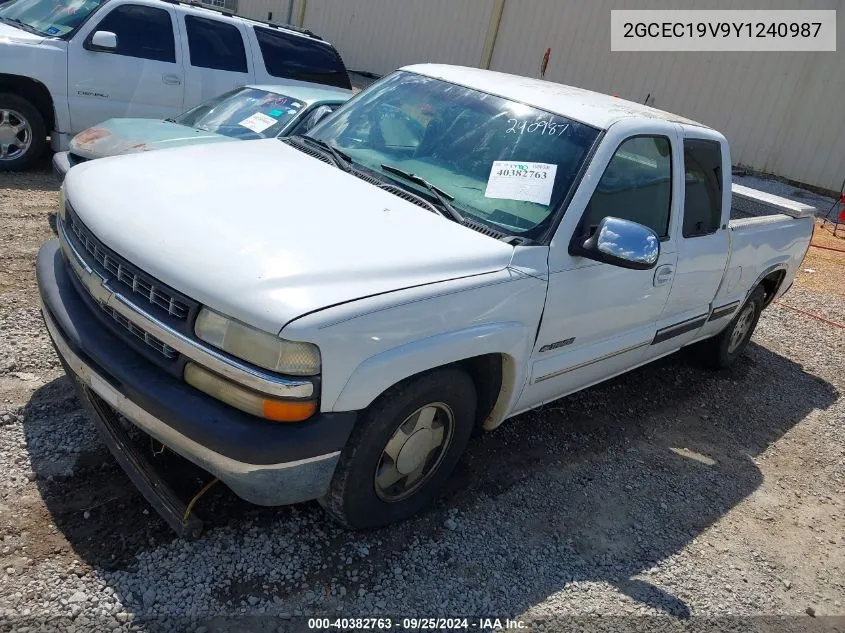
378,373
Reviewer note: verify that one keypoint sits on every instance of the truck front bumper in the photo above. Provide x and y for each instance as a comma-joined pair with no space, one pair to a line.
265,463
61,165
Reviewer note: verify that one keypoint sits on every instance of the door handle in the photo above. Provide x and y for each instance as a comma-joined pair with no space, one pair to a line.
663,275
171,80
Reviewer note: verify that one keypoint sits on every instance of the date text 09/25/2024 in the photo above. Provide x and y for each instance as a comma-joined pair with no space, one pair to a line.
414,624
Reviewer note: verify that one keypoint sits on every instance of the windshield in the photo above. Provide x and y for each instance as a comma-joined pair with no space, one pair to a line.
245,113
504,163
57,18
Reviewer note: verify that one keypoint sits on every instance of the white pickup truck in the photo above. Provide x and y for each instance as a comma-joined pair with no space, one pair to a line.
66,65
330,317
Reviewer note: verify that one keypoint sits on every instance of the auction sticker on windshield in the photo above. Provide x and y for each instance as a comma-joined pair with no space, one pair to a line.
258,122
529,182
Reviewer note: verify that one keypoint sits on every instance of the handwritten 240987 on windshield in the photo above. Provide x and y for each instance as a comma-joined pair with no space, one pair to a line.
551,128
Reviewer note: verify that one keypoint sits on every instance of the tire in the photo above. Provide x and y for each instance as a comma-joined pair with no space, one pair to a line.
438,404
23,133
724,349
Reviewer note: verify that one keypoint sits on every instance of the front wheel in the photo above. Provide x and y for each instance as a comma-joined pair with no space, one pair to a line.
22,133
403,450
725,348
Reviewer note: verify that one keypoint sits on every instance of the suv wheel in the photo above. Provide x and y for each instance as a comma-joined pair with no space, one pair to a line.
403,450
22,133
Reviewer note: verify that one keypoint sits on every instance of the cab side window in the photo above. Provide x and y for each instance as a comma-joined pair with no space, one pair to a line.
311,118
636,185
143,32
702,187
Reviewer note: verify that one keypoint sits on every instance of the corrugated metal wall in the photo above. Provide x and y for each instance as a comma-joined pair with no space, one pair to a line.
380,35
260,9
784,113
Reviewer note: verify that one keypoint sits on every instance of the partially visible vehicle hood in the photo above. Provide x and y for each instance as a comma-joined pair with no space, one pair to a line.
264,233
12,35
128,136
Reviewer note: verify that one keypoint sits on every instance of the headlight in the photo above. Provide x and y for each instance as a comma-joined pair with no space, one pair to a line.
258,348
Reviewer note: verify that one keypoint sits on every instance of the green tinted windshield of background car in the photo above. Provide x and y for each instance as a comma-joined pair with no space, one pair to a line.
246,113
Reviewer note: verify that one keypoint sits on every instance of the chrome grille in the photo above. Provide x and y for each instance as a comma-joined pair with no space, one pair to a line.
139,283
159,346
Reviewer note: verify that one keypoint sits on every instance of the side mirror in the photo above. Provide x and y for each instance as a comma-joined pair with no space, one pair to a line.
622,243
103,41
315,117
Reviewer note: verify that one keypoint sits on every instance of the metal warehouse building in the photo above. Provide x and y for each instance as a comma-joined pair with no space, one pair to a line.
783,112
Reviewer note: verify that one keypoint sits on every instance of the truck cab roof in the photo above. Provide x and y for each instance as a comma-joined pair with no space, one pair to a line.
593,108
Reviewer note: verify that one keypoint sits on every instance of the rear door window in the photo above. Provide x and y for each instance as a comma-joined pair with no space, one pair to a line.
702,187
215,44
291,56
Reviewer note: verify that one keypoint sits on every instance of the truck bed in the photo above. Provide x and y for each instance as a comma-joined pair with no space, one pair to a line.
767,233
752,206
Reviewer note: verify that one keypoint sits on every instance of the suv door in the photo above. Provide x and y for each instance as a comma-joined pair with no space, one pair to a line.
599,318
216,61
143,77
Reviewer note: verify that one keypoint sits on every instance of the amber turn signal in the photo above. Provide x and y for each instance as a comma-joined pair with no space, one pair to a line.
288,411
247,400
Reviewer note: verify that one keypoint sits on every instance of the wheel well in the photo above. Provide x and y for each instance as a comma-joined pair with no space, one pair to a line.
33,91
771,283
489,373
486,373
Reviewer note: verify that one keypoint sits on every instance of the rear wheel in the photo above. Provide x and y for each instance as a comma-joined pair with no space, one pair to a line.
23,135
725,348
403,450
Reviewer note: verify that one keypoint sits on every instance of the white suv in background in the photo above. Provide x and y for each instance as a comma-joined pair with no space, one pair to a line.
66,65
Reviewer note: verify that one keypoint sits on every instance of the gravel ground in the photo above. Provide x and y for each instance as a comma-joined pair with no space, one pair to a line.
669,491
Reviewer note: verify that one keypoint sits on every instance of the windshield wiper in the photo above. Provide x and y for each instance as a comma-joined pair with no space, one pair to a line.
21,25
341,160
443,197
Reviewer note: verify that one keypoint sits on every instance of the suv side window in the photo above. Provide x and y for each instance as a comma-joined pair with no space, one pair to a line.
144,32
702,187
296,57
636,185
215,44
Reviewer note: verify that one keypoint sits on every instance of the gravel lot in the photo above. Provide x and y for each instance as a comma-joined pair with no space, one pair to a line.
667,491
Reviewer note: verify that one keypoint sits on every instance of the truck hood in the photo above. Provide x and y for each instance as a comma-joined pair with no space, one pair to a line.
128,136
264,233
12,35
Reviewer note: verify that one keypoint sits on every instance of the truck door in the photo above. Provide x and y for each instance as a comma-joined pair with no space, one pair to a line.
141,77
216,60
703,243
599,318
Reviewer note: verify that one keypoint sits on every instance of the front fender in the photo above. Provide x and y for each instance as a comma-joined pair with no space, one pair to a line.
378,373
43,62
